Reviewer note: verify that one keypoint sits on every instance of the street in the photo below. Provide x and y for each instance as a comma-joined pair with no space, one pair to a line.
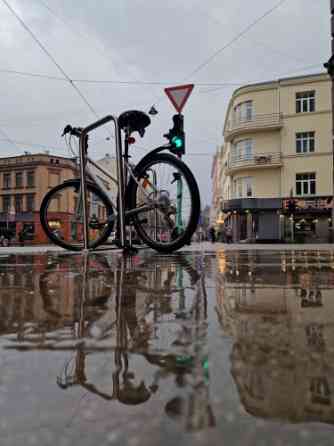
214,344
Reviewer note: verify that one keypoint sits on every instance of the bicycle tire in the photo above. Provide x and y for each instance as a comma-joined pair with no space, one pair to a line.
75,185
140,173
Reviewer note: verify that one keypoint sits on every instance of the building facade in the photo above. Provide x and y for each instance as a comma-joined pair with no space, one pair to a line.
24,180
277,163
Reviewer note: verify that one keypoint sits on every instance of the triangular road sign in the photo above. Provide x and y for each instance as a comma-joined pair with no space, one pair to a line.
179,95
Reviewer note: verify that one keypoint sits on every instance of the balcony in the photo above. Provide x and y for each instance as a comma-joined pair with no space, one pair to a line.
255,161
265,122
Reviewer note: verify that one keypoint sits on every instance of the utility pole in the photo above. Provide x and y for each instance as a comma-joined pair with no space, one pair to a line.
330,68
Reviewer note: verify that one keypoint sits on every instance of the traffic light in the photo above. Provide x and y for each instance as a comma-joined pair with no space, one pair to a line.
176,136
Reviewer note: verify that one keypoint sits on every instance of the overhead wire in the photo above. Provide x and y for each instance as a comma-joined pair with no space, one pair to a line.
71,81
50,56
234,39
8,138
230,42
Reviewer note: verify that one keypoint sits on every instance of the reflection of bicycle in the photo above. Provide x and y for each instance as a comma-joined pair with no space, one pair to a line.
163,219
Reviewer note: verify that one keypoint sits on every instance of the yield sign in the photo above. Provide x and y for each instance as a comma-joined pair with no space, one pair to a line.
179,95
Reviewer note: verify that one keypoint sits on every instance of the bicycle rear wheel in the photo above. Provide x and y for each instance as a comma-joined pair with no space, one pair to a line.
62,219
169,183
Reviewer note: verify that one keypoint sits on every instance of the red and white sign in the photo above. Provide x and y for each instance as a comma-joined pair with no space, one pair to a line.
179,95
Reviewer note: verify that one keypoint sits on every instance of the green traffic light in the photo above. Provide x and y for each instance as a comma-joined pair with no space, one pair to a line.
177,141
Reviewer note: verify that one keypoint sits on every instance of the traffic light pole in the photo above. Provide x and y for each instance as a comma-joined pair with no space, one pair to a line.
330,68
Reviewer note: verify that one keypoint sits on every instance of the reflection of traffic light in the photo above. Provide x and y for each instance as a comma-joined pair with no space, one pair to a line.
176,135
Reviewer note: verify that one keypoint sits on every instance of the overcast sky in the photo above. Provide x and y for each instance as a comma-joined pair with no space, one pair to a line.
146,41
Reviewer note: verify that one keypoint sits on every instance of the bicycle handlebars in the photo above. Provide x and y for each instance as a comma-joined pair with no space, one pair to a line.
78,131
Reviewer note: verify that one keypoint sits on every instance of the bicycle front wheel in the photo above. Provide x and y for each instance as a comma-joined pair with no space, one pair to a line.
168,195
61,216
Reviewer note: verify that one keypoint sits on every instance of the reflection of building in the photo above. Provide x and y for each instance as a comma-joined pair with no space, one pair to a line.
283,329
24,180
45,296
278,160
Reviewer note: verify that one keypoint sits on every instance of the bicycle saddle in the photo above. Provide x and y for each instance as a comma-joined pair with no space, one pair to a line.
134,120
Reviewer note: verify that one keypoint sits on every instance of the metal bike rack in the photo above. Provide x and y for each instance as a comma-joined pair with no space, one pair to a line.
83,144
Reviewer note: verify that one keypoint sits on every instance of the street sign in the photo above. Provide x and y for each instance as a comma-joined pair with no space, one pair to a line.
179,95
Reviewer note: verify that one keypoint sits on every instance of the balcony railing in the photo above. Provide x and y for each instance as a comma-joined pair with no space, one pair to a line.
270,159
256,122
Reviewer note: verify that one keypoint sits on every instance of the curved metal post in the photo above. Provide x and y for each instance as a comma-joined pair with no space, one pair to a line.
120,175
83,184
120,178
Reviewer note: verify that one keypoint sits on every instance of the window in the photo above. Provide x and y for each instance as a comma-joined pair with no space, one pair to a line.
18,203
248,181
243,187
54,178
305,184
6,203
305,102
242,150
244,112
30,203
6,180
31,179
19,179
305,142
320,391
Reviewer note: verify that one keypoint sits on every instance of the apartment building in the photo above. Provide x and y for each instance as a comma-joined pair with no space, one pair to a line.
24,180
277,161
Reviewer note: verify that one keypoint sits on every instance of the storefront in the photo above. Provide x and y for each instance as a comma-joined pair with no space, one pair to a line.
307,220
254,219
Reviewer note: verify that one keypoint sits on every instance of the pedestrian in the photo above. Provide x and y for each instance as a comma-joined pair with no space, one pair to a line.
228,234
212,233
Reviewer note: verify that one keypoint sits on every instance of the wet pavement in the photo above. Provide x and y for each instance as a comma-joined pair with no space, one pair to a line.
200,347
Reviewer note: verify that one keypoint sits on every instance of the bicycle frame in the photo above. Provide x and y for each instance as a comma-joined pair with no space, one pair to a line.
120,181
123,169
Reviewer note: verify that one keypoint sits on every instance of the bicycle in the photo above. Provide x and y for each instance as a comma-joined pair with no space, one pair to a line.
160,195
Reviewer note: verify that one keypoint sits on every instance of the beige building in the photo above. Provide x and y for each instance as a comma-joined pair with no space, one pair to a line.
282,329
277,166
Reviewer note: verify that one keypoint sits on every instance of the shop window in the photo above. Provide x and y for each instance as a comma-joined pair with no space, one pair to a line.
6,181
19,180
305,184
305,142
305,102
